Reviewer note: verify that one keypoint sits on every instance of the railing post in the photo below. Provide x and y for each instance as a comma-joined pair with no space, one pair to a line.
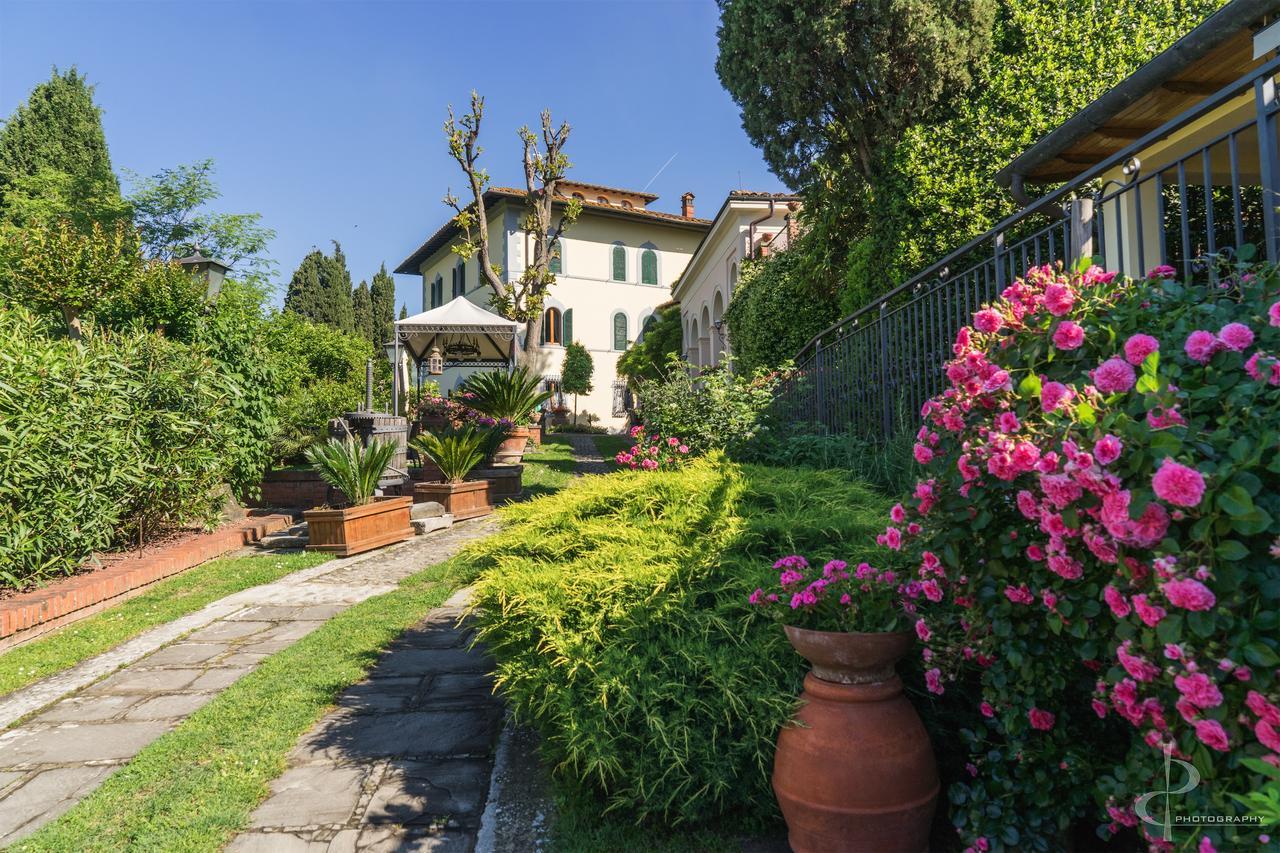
820,384
1081,214
1264,98
886,416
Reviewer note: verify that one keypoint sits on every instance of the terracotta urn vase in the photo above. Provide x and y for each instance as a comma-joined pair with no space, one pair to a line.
855,770
511,451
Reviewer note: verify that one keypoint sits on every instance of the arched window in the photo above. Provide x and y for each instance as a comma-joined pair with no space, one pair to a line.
437,292
619,331
601,200
551,326
619,263
626,205
459,279
567,323
648,324
579,196
648,267
556,264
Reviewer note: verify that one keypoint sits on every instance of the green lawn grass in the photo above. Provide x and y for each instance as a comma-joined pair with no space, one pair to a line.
163,602
609,445
581,825
548,468
196,786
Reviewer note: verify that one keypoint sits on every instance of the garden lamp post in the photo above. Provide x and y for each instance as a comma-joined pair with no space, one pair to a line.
211,270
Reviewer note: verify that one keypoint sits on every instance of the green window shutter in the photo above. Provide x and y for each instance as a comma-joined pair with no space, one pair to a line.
648,267
619,331
619,263
557,263
568,327
546,325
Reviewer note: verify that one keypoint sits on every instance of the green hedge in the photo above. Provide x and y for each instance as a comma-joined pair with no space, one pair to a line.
775,310
101,438
616,611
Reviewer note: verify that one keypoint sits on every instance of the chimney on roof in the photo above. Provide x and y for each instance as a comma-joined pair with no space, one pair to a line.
686,205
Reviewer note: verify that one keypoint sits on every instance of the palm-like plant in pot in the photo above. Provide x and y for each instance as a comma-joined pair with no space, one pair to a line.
368,521
455,453
856,729
508,397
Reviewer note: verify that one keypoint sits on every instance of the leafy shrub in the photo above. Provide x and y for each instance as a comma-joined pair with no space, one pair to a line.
775,310
1100,525
506,396
888,466
351,467
616,612
716,409
648,356
103,439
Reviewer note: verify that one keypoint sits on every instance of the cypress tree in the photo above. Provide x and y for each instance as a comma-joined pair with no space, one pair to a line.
53,144
383,294
320,290
362,309
404,311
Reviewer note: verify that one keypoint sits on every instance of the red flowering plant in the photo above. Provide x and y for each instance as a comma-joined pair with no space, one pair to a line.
1100,506
652,452
835,597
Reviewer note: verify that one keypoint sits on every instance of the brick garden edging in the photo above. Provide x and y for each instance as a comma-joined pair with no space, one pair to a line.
31,614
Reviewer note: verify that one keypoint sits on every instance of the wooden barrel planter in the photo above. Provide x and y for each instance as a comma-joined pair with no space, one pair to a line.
504,481
357,529
467,499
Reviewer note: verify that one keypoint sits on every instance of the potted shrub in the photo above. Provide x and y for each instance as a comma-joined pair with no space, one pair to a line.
857,763
455,454
509,397
368,521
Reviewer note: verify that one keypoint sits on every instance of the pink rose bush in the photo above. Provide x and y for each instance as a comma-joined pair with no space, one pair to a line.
1094,550
652,452
837,597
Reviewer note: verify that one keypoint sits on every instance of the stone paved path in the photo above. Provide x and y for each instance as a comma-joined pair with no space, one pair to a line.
93,726
587,455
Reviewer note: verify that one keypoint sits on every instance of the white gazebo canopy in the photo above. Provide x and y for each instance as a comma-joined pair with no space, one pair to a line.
467,335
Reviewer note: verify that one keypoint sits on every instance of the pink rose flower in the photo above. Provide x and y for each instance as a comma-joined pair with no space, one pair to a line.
923,454
1267,735
1177,484
1162,271
988,320
1107,449
1055,395
1149,613
1273,314
1200,346
1189,594
1212,734
1236,337
1138,347
1114,376
1068,336
933,680
1263,708
1198,689
1058,299
1116,601
986,710
922,631
1041,720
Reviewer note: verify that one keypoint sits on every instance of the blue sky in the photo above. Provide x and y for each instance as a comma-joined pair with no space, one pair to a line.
326,116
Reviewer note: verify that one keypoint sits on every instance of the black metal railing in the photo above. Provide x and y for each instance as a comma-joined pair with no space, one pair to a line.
1211,195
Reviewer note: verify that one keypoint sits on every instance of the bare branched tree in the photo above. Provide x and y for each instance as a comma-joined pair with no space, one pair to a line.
545,165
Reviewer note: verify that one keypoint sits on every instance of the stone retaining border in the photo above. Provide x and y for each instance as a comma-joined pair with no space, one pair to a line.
32,614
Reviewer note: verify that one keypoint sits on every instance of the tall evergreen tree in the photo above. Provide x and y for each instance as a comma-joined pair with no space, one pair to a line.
383,294
362,309
575,373
404,311
320,290
52,148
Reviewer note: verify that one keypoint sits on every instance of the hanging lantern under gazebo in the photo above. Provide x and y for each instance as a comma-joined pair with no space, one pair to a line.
435,362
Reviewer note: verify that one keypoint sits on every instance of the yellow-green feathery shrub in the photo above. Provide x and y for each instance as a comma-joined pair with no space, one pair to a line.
617,613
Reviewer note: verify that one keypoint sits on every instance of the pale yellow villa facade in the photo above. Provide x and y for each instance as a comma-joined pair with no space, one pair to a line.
617,264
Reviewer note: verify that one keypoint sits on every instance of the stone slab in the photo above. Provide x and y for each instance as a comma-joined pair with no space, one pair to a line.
45,797
307,796
386,694
87,709
149,681
172,707
229,630
348,736
287,613
219,678
430,792
414,661
185,654
77,742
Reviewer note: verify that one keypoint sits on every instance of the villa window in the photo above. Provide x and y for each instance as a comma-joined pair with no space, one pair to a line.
601,200
626,205
556,264
437,292
579,196
648,267
619,263
552,327
619,331
460,279
648,324
567,323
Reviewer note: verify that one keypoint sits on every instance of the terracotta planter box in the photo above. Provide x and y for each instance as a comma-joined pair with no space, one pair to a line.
511,451
468,499
359,528
504,481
